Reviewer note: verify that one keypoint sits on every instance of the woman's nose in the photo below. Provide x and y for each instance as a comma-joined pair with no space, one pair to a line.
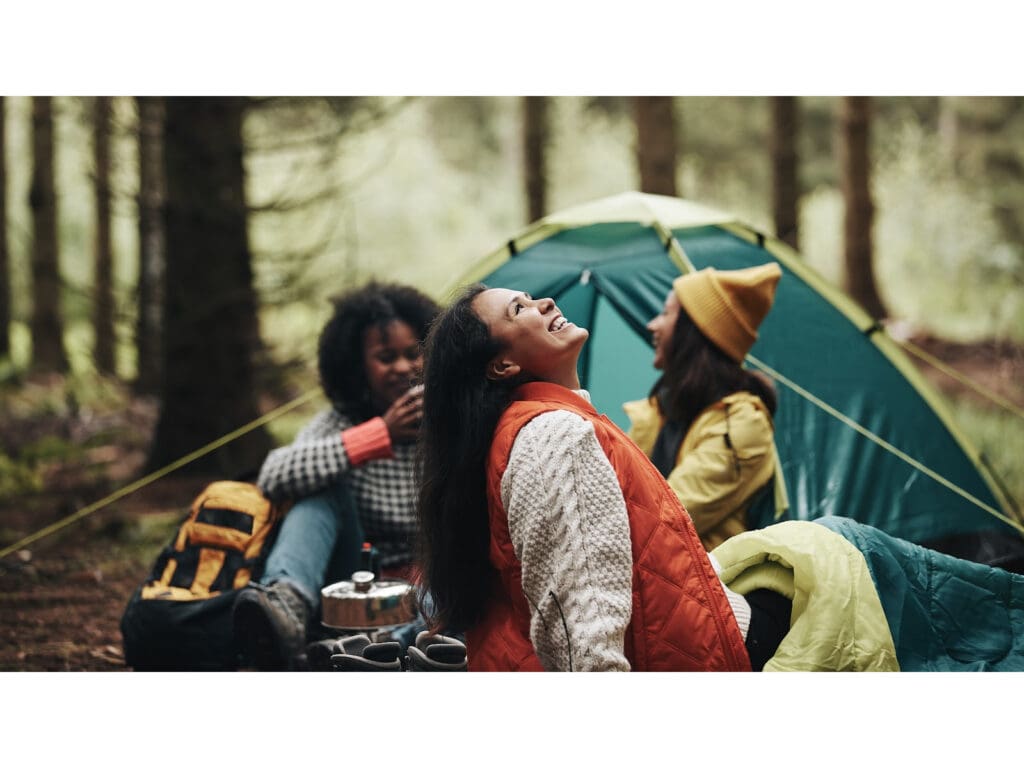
545,305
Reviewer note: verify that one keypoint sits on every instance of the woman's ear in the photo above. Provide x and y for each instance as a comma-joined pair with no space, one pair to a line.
501,369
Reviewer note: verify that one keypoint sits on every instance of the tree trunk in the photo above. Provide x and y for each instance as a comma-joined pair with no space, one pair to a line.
656,144
1003,169
5,267
46,326
785,179
535,138
855,179
151,244
103,279
949,127
211,328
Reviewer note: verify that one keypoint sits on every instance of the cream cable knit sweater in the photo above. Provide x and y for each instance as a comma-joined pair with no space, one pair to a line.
568,523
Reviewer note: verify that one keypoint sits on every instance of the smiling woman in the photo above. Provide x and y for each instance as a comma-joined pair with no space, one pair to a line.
707,423
538,342
553,543
548,537
349,471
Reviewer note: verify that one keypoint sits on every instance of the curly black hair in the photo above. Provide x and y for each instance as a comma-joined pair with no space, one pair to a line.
342,373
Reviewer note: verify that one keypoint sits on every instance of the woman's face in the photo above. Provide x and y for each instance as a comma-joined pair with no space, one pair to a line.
661,328
537,340
393,361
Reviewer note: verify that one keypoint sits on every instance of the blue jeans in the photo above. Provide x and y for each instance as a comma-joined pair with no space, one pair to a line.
318,544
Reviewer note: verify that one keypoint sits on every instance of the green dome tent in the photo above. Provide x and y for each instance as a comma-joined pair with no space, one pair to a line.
859,432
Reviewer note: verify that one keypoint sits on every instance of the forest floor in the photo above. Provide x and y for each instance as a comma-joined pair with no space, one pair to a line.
61,597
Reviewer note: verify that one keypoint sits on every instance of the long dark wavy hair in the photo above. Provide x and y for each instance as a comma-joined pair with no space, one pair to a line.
461,408
697,373
342,373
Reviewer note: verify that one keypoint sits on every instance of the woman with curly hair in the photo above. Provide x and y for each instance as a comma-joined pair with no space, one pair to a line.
349,470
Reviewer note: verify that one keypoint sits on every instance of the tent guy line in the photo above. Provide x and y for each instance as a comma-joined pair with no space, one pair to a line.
612,260
303,399
157,474
882,443
915,350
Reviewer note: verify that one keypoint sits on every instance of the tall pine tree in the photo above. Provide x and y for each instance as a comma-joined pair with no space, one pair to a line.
855,181
46,326
149,293
656,145
103,259
211,327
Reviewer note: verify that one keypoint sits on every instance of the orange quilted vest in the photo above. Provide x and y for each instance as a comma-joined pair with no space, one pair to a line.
681,618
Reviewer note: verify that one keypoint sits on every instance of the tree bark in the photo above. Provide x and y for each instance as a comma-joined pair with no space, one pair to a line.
5,267
103,279
211,328
1002,166
46,326
535,138
785,178
855,179
148,328
656,147
949,127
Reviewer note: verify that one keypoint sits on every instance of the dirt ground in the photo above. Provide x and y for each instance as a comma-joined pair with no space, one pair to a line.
61,597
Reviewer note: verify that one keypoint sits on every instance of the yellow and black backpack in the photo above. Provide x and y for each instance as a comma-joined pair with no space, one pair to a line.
180,617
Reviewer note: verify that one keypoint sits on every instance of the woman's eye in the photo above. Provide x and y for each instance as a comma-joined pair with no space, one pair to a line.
518,308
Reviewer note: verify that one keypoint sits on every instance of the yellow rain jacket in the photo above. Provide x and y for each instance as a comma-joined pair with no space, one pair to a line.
726,457
838,623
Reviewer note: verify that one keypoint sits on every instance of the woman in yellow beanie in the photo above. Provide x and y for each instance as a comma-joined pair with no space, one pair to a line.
707,423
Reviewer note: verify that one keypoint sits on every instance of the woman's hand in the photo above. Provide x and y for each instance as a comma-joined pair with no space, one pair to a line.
404,415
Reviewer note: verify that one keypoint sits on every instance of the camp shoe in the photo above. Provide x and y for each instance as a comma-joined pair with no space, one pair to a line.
436,653
270,626
358,653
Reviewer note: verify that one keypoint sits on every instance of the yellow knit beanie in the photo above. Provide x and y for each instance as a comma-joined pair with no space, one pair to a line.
728,306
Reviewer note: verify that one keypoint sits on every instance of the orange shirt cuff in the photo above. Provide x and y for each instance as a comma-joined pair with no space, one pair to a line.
367,441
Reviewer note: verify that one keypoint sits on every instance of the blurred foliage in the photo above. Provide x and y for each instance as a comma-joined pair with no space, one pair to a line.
1000,438
51,448
17,478
942,258
132,542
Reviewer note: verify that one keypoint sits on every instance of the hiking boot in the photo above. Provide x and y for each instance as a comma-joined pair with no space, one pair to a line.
269,625
319,653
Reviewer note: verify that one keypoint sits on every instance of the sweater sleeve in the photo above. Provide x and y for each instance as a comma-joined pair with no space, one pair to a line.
568,524
724,462
316,458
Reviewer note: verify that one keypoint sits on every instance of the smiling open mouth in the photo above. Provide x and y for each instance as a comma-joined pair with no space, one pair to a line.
558,324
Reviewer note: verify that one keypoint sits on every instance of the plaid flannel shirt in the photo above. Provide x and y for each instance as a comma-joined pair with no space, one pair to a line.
384,489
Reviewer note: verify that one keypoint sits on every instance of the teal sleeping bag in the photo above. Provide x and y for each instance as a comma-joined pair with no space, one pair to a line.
945,614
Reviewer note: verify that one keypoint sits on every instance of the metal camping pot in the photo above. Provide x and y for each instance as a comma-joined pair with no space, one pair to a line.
364,603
